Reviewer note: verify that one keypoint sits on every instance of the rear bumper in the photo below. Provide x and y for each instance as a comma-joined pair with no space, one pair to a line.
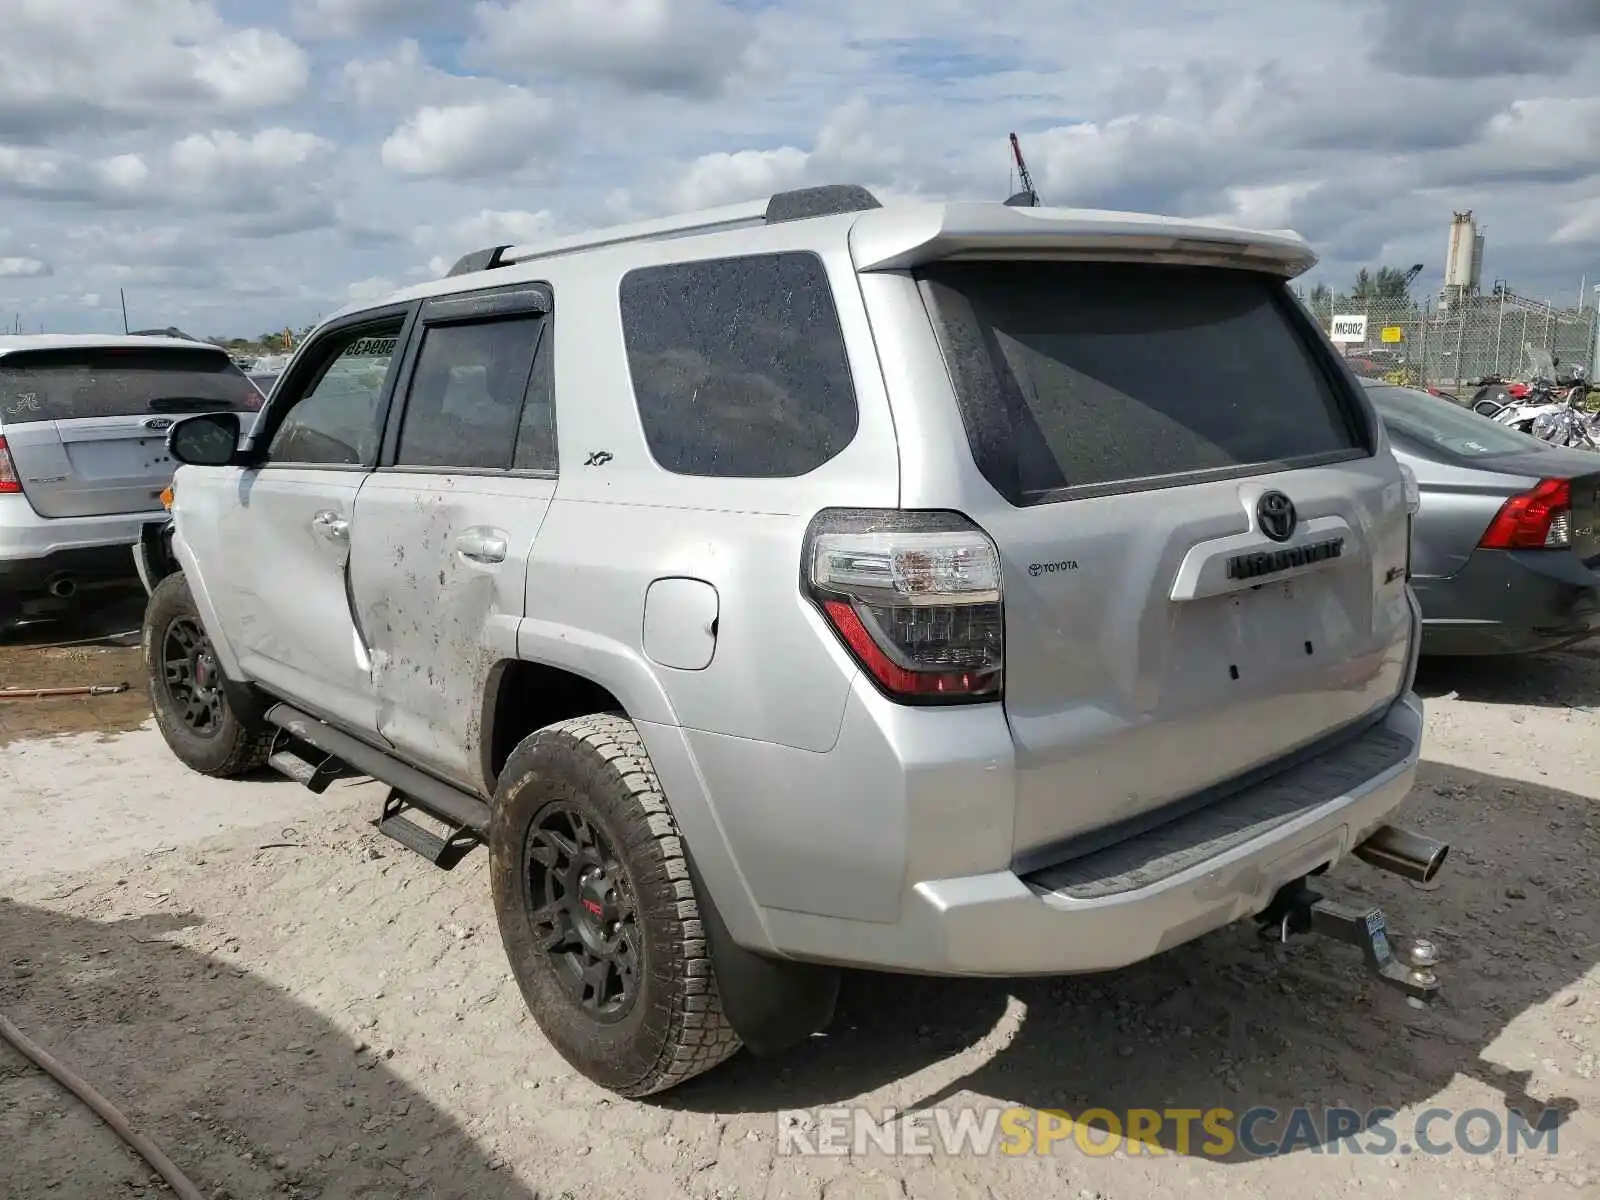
1509,602
34,549
1143,896
88,565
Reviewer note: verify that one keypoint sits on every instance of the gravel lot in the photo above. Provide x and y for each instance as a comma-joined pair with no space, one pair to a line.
293,1006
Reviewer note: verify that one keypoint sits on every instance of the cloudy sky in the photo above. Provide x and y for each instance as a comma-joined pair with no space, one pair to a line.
240,164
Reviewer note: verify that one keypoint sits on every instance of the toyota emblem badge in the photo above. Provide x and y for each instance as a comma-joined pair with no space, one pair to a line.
1276,516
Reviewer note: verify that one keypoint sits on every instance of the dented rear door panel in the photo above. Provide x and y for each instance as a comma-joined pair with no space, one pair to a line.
438,570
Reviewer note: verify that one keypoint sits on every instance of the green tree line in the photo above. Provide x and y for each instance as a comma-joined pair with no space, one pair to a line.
1384,289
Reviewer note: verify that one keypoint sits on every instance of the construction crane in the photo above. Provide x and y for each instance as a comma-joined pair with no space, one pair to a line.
1028,197
1415,270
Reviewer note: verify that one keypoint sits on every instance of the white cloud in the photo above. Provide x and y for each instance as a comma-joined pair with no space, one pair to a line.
486,227
485,137
192,152
1269,206
691,47
204,160
1549,136
125,172
350,18
28,168
103,64
1582,224
847,149
21,267
252,68
723,178
364,291
404,79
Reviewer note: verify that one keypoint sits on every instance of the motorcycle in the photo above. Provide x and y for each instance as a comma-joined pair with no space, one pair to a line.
1568,425
1519,405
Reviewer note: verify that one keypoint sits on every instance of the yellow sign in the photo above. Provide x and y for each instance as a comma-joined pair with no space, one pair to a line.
1392,333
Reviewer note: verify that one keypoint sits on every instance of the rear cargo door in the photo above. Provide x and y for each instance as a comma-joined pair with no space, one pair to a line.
1203,560
87,427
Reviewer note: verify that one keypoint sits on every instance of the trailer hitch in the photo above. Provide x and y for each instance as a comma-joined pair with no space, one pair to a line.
1406,964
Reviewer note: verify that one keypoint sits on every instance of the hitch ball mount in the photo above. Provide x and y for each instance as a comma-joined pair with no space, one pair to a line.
1406,964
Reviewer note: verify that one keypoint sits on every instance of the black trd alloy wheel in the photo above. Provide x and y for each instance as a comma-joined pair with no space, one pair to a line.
598,912
188,692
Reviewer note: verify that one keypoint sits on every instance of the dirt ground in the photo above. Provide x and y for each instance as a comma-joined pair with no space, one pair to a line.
293,1006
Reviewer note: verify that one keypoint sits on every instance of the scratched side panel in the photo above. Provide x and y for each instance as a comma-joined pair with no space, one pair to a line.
434,621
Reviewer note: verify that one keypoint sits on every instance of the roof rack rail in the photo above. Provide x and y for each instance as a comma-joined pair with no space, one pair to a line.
478,260
828,200
798,204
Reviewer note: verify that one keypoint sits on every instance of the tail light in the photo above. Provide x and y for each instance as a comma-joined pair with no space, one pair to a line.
1534,520
10,481
915,596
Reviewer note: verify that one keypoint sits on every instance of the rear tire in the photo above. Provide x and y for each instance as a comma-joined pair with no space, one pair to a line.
187,690
598,912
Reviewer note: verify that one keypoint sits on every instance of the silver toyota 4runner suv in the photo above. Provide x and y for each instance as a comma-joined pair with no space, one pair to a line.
954,588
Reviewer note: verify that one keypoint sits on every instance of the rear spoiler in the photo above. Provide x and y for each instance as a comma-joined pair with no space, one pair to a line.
899,238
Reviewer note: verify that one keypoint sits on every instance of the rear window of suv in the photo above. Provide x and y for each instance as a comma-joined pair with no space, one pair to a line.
1086,378
739,365
77,384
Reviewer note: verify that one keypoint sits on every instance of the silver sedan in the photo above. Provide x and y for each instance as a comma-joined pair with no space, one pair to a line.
1507,542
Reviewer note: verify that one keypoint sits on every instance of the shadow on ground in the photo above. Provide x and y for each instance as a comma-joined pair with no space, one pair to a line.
1558,679
249,1091
93,643
107,616
1214,1023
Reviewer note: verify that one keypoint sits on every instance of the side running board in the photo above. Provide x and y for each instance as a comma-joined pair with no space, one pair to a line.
465,814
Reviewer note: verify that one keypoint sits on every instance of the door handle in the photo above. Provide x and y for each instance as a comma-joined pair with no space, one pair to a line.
331,525
482,545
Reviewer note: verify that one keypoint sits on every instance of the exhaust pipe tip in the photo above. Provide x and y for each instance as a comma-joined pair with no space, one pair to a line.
1407,854
63,587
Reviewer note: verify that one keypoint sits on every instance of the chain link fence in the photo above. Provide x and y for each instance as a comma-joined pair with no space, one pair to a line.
1397,338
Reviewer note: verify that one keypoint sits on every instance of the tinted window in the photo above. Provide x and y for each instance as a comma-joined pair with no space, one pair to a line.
466,397
1079,375
536,436
739,365
1442,425
336,422
67,385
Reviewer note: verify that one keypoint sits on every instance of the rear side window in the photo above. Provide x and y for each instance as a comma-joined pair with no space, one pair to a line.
79,384
467,395
1108,377
739,365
